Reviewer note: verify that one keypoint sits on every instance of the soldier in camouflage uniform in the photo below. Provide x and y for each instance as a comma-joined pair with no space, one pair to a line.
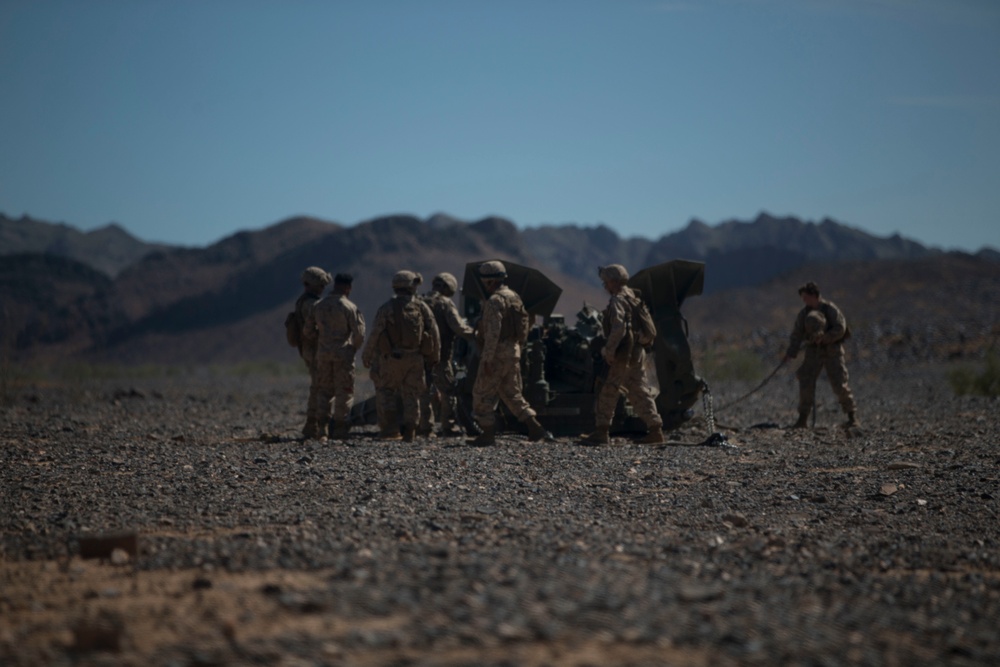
823,339
338,329
625,357
404,338
314,281
499,374
442,374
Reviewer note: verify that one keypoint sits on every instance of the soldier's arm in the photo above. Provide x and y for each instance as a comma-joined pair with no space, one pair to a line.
617,313
490,327
309,330
457,324
357,324
430,325
836,325
798,335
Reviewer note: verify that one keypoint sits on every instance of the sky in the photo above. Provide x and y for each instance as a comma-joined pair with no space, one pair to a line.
186,121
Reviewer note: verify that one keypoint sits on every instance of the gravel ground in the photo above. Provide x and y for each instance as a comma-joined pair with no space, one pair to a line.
877,546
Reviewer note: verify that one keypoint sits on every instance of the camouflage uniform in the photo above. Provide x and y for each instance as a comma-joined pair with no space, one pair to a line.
442,374
823,350
624,354
626,365
314,280
338,328
400,368
499,374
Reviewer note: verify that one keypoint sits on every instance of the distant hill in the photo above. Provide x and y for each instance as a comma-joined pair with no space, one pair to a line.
108,249
225,302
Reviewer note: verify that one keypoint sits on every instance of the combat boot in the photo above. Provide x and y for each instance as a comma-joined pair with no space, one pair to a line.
340,430
487,438
424,432
654,437
600,436
408,432
390,435
536,431
852,420
803,421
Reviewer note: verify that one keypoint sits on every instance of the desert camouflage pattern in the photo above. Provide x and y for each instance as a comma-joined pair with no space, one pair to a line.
307,350
441,376
626,366
398,373
823,351
338,328
499,374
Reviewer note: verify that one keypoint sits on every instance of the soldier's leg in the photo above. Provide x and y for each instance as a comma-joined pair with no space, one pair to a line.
608,395
310,428
836,372
444,382
640,396
426,402
413,385
807,375
386,399
325,382
343,398
485,396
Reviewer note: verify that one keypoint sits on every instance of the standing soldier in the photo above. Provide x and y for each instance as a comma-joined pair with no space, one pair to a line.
314,281
442,375
822,329
502,330
625,357
338,328
404,338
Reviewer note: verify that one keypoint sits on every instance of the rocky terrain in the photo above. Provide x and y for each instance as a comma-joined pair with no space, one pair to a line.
238,544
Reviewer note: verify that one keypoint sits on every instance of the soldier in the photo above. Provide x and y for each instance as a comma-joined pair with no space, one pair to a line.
625,357
442,374
314,281
823,338
502,330
404,338
338,329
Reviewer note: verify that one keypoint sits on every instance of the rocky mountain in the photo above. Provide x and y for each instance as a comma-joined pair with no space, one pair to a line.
108,249
740,253
225,302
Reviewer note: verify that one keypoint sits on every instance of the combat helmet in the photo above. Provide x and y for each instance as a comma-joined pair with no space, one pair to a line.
316,277
445,283
492,270
613,272
406,280
815,324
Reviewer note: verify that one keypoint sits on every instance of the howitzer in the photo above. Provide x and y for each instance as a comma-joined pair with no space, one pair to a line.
561,365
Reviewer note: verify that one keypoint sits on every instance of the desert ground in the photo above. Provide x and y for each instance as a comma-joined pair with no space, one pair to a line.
238,544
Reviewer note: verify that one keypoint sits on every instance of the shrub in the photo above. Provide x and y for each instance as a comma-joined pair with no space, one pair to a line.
966,380
727,365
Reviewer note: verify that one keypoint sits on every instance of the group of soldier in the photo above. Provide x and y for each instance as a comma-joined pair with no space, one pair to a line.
409,351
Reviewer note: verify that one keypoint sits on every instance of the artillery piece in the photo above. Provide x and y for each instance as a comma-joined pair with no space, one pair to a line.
561,365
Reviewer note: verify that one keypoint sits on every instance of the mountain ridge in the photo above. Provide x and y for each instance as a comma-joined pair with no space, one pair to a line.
220,302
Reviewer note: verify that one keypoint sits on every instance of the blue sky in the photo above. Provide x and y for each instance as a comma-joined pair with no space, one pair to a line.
186,121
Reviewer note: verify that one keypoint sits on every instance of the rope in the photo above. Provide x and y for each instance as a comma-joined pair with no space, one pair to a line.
754,390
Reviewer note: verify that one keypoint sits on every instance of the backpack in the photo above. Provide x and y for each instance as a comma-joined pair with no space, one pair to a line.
407,327
516,322
293,329
643,327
